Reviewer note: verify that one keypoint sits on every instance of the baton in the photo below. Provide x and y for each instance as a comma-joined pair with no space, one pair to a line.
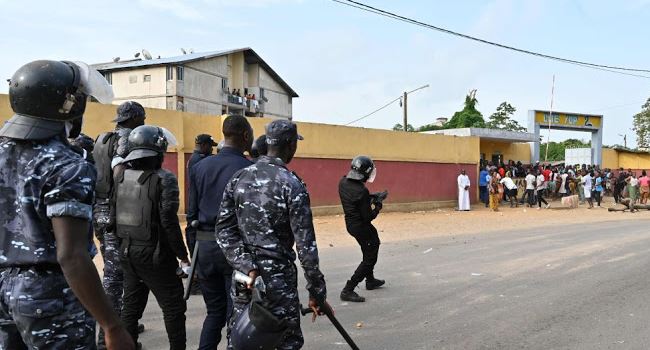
328,312
195,256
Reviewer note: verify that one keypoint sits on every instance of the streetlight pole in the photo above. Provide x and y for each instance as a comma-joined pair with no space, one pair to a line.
405,108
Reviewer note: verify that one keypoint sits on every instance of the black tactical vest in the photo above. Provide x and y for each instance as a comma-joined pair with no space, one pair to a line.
136,198
103,155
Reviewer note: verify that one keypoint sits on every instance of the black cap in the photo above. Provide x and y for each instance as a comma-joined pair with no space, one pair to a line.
204,138
280,131
128,110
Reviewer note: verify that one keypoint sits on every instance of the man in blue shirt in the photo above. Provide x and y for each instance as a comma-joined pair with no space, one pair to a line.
209,178
482,186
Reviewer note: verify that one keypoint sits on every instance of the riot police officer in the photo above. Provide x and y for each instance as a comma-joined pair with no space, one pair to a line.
49,287
146,206
110,149
265,210
359,213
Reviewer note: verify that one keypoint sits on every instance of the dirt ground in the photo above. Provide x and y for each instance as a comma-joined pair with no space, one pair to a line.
330,230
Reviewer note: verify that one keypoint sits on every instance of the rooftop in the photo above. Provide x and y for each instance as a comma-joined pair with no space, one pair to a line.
250,56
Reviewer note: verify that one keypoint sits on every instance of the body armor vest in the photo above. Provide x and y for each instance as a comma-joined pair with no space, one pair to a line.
136,205
103,155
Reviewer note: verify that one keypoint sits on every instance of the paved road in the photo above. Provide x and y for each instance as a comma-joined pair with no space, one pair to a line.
561,287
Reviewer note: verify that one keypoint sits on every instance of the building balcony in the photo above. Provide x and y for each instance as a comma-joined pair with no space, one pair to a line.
249,105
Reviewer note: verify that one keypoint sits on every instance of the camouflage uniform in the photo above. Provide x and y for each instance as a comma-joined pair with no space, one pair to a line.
40,180
104,224
265,210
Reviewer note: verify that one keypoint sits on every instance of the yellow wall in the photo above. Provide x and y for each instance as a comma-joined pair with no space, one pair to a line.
510,151
610,159
628,160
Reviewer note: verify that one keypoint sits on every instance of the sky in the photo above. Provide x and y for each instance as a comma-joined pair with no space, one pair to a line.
345,63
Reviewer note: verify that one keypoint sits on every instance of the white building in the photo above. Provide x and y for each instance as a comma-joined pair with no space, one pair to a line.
206,83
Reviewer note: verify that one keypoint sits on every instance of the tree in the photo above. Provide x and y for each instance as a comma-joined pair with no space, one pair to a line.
556,149
501,119
400,127
469,117
641,126
429,127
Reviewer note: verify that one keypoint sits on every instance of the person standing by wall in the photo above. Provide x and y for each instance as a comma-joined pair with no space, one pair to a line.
482,186
644,186
598,188
587,182
540,189
463,191
530,188
493,188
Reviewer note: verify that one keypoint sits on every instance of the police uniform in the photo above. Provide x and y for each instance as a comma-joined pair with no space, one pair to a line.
265,210
146,204
209,179
191,215
40,180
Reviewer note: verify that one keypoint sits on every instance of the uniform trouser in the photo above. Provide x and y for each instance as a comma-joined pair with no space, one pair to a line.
281,281
142,276
215,276
38,310
368,240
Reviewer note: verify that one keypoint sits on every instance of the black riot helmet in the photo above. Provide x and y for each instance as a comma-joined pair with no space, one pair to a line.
148,141
362,168
256,328
45,95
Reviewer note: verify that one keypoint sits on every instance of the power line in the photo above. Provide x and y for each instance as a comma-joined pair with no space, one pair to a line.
608,68
375,111
386,105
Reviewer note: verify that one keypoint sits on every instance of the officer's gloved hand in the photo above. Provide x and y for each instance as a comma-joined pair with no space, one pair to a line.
183,271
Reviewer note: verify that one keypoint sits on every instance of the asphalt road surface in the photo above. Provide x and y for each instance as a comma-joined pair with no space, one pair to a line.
559,287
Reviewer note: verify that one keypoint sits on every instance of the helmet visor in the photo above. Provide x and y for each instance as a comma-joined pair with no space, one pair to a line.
92,83
171,139
373,175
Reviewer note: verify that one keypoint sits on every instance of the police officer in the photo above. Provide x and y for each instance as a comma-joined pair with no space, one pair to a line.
209,178
265,210
110,149
85,145
49,287
259,148
203,148
359,213
146,204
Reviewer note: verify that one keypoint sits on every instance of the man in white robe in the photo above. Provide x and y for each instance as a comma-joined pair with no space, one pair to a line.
463,191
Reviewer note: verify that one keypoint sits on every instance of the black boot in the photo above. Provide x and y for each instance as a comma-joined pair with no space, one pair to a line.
348,293
374,283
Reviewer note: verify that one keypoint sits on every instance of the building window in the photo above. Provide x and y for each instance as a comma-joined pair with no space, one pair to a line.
109,77
289,98
170,73
180,71
262,98
224,85
133,79
147,78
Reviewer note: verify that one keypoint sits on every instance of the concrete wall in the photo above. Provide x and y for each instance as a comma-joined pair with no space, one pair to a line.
413,167
510,151
278,97
125,89
610,159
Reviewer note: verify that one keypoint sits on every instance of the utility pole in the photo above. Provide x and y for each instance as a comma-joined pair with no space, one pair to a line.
405,111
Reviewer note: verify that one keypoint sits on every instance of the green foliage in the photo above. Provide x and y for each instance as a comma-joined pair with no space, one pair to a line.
556,149
469,117
501,119
429,127
400,127
641,126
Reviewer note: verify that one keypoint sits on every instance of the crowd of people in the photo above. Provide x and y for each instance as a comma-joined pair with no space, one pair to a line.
531,185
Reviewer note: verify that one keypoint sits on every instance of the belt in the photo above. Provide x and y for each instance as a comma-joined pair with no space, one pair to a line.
205,236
